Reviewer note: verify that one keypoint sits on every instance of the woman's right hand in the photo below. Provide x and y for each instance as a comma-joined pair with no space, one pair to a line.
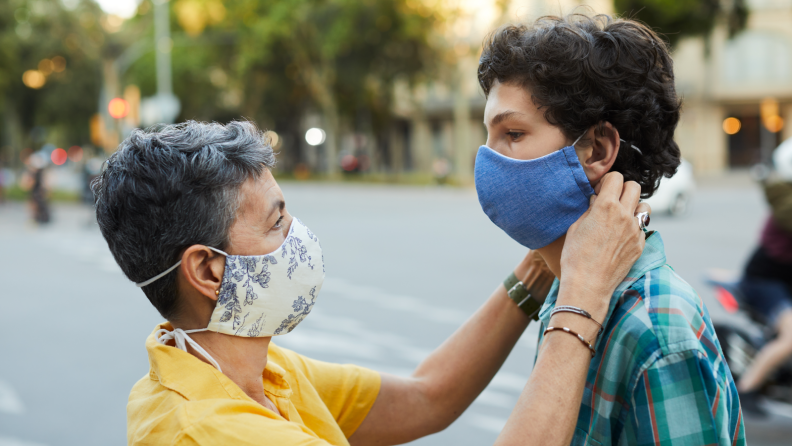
602,245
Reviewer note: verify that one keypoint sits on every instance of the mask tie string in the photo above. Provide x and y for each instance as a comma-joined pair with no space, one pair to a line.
181,339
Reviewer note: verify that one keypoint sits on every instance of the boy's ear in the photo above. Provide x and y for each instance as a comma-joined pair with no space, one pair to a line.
598,157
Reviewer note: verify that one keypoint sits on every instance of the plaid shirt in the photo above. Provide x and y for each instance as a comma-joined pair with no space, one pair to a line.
659,377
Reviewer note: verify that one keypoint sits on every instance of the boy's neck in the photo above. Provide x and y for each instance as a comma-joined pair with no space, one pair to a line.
552,255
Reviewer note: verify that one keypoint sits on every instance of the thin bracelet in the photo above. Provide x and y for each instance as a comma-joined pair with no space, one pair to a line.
580,338
578,311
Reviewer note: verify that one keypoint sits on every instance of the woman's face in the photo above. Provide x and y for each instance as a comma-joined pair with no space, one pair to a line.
516,127
262,222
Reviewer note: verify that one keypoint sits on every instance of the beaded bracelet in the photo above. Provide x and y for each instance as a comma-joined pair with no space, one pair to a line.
576,310
581,338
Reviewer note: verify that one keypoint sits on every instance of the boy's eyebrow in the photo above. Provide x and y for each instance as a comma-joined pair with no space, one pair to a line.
502,116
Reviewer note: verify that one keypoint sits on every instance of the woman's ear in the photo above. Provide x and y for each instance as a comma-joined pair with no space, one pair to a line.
203,270
598,157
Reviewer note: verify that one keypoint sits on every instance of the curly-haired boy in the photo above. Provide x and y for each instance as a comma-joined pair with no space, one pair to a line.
570,99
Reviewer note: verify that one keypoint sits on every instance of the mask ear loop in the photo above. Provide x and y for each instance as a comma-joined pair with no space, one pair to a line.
579,137
164,273
631,145
635,148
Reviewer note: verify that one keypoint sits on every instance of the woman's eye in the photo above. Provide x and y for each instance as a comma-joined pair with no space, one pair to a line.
278,223
514,135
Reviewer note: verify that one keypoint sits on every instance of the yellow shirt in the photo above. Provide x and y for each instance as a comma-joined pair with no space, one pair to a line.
185,401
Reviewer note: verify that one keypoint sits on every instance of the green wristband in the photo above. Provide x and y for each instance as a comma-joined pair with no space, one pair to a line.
521,296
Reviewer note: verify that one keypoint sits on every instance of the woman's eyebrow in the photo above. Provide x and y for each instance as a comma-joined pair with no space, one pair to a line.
277,205
502,116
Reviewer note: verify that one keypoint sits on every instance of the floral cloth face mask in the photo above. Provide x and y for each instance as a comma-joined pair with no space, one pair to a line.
263,295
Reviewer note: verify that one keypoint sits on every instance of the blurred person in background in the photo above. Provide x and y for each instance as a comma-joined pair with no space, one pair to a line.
767,281
2,182
193,216
36,182
570,99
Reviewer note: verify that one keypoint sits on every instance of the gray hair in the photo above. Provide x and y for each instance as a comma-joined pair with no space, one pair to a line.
167,189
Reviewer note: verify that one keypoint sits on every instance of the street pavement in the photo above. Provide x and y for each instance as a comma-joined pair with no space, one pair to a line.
405,267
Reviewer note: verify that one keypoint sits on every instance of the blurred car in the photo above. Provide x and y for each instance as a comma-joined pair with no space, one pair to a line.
673,194
782,160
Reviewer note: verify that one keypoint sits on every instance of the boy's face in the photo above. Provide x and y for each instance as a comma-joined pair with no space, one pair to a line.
516,127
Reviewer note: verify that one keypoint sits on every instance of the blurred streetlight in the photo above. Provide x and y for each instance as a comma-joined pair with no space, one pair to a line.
769,110
58,156
731,125
58,64
118,108
75,153
46,67
34,79
315,136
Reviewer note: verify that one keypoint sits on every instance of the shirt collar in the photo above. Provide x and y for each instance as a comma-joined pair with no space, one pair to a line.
653,257
196,380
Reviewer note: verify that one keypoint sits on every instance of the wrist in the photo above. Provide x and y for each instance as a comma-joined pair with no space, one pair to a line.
591,299
585,327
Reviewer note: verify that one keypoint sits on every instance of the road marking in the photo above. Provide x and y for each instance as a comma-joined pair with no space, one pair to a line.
496,399
326,334
778,408
9,401
509,381
487,422
390,301
8,441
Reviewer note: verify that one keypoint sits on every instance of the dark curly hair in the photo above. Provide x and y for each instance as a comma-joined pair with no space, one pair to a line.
585,71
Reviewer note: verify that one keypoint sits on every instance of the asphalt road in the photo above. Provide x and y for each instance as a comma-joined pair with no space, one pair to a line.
405,267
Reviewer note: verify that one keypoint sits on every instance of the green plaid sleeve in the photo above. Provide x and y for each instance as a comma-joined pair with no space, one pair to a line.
679,401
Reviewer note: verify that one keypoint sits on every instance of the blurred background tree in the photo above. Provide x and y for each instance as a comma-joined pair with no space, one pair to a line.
284,64
277,62
50,72
676,19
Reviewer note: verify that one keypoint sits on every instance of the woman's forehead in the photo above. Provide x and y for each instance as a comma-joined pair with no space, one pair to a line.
260,196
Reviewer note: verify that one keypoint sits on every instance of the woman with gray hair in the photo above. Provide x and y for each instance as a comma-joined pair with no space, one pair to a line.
193,216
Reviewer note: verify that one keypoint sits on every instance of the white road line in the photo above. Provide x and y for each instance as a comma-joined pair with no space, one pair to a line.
324,333
390,301
496,399
8,441
509,381
9,401
486,422
778,408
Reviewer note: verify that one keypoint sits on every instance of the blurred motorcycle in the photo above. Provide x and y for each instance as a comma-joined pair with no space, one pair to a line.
741,343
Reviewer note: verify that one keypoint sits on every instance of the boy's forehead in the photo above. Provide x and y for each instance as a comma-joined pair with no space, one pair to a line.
508,101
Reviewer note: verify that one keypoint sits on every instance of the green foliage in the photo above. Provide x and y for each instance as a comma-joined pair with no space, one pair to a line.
273,60
676,19
34,30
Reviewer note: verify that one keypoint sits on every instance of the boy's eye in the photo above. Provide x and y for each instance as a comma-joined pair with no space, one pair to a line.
514,135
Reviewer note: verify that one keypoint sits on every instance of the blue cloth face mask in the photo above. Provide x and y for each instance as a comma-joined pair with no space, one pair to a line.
533,201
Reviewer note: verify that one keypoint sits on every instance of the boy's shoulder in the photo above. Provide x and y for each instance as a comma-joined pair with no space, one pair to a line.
662,306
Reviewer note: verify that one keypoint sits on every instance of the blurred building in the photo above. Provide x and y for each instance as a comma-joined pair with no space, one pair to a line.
737,92
440,124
